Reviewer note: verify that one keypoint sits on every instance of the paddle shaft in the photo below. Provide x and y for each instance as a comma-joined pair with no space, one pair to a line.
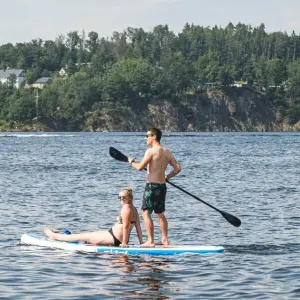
195,197
229,218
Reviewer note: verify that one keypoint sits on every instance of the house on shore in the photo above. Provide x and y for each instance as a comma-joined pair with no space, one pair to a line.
208,85
17,76
42,82
64,71
239,83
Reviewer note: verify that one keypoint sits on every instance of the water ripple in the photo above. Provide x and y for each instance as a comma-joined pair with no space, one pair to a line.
70,182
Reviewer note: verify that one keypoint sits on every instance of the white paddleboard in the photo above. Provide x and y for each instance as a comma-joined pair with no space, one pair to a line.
42,241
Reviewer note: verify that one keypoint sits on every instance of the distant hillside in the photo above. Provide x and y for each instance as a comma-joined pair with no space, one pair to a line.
232,109
180,81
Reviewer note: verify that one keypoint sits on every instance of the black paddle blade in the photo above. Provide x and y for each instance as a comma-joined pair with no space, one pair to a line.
231,219
116,154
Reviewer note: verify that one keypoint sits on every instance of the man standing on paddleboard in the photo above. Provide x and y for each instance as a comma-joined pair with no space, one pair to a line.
156,159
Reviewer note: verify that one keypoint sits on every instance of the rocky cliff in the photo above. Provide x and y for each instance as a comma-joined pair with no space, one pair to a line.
229,109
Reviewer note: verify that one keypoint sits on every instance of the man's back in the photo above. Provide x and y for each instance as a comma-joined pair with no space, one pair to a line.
160,158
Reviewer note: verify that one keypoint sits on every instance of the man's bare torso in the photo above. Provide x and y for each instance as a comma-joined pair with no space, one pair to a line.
160,158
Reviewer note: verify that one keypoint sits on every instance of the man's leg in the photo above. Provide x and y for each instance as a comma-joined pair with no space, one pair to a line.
164,228
149,229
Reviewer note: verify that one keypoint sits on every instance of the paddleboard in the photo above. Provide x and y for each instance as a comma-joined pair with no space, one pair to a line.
42,241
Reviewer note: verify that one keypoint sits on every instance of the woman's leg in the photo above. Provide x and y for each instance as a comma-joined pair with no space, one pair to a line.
95,238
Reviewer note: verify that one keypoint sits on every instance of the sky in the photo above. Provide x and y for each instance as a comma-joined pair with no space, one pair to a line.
22,21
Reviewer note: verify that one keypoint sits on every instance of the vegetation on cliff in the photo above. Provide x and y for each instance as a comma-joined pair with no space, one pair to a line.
123,76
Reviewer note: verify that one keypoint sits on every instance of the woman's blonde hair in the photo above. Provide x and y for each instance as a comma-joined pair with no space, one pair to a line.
129,193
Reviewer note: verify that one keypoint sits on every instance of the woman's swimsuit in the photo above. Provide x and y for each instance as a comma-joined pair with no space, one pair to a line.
120,221
117,242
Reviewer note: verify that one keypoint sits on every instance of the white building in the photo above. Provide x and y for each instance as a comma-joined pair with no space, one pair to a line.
18,74
64,71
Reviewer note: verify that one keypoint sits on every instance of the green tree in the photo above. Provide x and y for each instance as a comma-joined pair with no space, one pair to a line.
92,42
277,72
12,79
179,72
5,93
31,76
261,74
21,105
293,80
127,79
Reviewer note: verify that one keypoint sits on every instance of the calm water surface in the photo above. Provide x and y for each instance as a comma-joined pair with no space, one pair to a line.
69,181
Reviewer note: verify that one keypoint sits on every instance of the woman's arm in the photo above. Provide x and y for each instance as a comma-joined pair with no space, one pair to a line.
125,214
138,227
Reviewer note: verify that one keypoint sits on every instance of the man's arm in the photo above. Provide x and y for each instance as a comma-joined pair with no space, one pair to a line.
140,166
176,168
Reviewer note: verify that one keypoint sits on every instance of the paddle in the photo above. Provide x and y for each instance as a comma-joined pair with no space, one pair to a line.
116,154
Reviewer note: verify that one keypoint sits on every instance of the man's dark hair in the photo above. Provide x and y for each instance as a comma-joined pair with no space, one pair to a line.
156,132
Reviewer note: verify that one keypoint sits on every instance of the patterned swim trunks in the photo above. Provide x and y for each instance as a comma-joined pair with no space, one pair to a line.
154,197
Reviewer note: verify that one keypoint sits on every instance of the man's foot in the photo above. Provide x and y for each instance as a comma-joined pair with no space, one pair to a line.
50,233
163,243
147,245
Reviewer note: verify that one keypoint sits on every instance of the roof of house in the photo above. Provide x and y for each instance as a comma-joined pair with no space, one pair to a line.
43,80
241,82
7,72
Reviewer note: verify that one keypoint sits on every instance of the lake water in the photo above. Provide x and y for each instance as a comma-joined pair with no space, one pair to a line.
69,181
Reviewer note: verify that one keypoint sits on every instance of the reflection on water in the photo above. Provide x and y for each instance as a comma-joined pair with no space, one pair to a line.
148,273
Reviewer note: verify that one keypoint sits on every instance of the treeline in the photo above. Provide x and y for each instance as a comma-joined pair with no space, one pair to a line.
133,66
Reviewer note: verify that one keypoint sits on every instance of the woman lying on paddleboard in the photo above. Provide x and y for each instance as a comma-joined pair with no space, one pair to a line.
118,235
